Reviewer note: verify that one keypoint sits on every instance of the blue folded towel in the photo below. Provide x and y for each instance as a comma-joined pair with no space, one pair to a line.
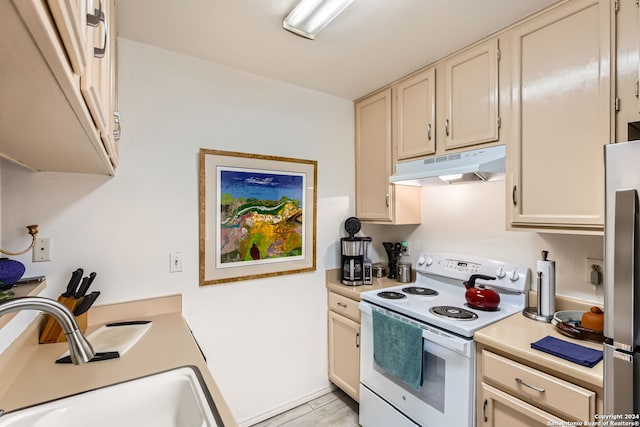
397,348
575,353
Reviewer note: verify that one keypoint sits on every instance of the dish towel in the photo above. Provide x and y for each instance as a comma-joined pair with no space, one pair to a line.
575,353
397,348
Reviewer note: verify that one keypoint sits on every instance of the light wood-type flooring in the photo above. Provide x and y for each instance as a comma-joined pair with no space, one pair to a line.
334,409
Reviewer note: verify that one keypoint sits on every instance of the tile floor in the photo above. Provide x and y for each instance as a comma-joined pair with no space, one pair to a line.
334,409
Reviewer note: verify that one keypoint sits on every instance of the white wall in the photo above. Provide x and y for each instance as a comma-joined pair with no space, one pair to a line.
265,340
470,219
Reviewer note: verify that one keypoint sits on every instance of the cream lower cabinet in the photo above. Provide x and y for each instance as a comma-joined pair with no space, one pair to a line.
344,344
376,199
562,118
500,409
512,394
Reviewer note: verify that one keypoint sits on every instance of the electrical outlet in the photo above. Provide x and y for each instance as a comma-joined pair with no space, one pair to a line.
42,249
175,262
589,268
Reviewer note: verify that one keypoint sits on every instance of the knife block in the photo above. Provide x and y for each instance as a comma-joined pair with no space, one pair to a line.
52,331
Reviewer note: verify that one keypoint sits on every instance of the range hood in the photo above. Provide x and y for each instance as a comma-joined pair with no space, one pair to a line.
484,164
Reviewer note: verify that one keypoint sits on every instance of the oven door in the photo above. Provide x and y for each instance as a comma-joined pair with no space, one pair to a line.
448,390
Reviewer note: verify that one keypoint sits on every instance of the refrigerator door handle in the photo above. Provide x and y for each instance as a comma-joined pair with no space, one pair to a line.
621,319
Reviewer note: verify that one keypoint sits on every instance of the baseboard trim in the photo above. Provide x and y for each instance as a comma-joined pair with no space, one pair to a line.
285,407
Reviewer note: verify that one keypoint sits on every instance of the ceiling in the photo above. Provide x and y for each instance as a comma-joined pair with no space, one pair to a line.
372,43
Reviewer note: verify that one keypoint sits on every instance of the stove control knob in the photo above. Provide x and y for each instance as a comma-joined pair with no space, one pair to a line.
514,276
428,261
501,273
421,260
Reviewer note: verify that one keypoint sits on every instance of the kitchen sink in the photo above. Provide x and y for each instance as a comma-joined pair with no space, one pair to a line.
177,397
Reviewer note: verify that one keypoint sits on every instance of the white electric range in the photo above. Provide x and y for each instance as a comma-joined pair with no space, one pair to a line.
436,304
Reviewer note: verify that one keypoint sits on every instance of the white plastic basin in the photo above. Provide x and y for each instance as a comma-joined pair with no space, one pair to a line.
177,397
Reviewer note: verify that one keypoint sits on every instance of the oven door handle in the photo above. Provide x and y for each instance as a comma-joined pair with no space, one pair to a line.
445,340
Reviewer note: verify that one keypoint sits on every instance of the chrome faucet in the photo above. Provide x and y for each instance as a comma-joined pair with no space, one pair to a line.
80,349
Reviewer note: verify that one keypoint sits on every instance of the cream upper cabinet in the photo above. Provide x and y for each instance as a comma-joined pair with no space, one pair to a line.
376,199
627,69
562,115
48,125
98,82
471,96
414,115
71,21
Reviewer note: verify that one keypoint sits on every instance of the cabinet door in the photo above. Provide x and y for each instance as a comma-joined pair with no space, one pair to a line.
499,409
627,29
415,115
344,354
96,81
111,135
373,157
70,17
471,96
562,107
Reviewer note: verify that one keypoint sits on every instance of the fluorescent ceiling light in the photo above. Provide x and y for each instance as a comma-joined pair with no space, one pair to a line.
309,17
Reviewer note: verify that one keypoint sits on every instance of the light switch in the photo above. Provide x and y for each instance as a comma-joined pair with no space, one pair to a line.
175,262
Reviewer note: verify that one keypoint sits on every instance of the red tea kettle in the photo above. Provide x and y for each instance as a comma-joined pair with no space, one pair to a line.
481,298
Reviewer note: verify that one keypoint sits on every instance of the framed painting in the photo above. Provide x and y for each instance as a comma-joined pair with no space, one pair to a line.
257,216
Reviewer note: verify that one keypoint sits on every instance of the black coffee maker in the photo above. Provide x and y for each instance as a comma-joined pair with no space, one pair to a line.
356,256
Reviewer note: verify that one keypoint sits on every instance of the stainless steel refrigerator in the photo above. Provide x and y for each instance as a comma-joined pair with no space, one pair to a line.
622,280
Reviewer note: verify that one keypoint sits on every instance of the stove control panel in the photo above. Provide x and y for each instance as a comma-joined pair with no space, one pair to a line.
464,266
508,275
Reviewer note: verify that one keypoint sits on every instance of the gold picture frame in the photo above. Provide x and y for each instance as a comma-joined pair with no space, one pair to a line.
257,216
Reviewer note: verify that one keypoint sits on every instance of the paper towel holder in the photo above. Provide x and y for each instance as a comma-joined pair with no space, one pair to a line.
536,313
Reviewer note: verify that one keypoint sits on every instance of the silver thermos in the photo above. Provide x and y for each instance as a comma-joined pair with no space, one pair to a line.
546,281
404,268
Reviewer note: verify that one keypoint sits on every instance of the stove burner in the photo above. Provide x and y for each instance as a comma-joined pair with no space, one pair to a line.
391,295
455,313
419,290
482,308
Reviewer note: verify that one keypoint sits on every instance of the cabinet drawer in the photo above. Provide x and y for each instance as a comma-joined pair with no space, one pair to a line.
541,389
345,306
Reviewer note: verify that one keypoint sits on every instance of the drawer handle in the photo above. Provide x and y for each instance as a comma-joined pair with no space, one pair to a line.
533,387
343,305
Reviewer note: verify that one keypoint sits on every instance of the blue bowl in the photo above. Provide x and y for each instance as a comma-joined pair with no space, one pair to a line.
10,272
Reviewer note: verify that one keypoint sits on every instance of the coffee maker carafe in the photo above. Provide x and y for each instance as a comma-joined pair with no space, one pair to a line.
356,256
